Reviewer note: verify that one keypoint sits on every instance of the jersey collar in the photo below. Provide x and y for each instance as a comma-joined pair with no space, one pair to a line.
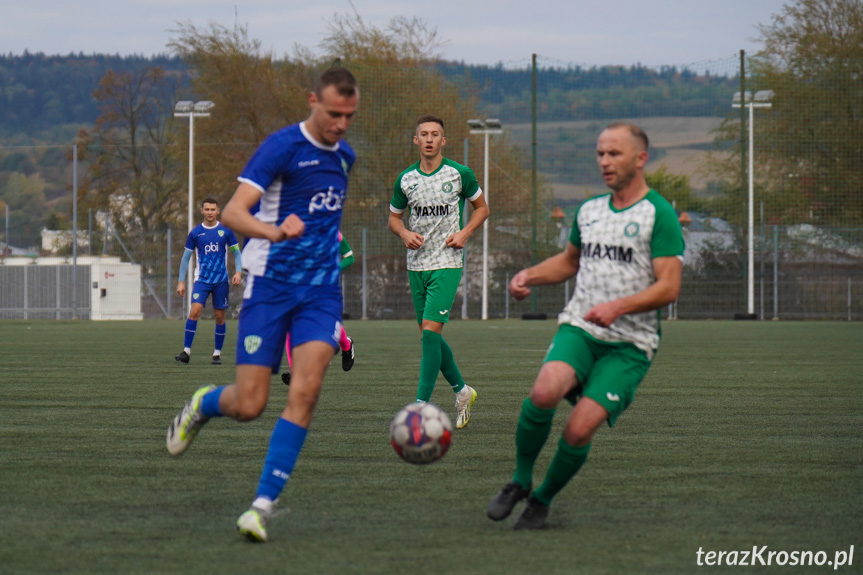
316,143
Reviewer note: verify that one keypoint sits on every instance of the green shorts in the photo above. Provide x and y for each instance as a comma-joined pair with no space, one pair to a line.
608,373
434,292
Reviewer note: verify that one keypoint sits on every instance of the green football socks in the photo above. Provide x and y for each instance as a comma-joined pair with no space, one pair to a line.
430,365
565,464
448,367
534,425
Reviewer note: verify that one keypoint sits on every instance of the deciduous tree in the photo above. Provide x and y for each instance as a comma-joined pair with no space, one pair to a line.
135,171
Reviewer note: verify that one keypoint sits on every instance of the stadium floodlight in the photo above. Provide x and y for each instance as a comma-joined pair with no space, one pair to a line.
761,99
183,107
204,106
192,110
485,127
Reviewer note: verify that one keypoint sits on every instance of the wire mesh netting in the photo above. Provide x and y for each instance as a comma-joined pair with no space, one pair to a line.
807,226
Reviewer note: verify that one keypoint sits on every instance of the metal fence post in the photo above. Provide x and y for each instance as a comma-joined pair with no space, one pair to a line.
506,297
168,274
365,275
775,272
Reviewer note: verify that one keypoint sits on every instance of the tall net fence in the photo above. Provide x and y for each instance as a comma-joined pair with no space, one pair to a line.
807,229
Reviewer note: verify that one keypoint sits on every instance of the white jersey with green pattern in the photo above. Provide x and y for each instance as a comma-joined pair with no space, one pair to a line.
435,202
617,252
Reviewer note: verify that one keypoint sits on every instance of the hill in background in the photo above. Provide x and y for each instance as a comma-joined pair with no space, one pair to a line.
45,100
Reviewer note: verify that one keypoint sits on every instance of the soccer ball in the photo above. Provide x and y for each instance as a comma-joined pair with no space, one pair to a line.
421,433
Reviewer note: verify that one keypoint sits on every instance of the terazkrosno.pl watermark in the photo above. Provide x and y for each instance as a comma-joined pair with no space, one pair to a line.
767,557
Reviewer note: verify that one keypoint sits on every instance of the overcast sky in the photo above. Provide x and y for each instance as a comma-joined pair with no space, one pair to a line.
653,33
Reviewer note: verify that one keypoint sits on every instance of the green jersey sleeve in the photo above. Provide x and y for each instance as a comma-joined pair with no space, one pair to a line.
469,185
575,234
399,199
667,239
347,254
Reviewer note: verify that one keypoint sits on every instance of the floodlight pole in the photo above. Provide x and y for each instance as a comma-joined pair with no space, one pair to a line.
188,109
761,99
486,128
485,229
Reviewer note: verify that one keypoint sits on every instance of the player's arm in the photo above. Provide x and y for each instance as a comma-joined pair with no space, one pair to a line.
557,268
237,279
237,216
412,240
479,215
184,268
668,271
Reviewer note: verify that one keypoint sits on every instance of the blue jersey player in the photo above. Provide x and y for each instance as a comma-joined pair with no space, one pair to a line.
210,242
289,203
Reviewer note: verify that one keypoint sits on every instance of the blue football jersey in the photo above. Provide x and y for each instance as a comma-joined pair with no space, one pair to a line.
298,175
211,250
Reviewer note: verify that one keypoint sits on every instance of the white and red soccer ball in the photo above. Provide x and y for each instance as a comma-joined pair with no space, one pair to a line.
421,433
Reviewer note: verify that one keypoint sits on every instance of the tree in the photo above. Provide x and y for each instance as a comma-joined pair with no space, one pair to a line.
396,66
255,95
810,140
674,188
135,176
25,197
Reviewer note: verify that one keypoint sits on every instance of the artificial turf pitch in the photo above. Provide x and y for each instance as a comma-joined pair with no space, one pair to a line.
743,434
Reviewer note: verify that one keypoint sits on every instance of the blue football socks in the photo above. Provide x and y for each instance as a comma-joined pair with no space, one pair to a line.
189,336
286,442
210,403
221,328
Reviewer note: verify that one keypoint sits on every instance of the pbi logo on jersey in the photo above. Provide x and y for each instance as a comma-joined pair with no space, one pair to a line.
252,343
631,230
447,187
211,247
331,200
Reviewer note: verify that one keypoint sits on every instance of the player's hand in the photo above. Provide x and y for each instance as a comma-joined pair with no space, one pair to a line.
291,227
237,279
412,240
604,314
181,288
518,286
458,240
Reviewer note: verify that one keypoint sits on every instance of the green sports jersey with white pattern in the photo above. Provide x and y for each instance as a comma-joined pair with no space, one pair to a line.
435,202
617,252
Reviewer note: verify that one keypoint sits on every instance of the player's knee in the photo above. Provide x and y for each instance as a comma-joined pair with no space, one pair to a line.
540,397
543,396
305,402
578,434
249,408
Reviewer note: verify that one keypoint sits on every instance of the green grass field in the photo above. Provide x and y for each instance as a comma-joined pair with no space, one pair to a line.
743,434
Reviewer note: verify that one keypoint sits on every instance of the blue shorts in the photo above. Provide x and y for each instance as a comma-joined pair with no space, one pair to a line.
271,309
201,291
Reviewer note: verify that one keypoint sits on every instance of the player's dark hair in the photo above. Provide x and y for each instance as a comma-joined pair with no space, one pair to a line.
209,201
635,130
429,118
341,78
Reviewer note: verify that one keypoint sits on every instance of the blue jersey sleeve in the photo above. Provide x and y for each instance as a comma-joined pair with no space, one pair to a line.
268,163
190,240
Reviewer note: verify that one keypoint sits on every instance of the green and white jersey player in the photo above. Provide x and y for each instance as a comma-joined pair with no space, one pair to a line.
434,191
626,253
